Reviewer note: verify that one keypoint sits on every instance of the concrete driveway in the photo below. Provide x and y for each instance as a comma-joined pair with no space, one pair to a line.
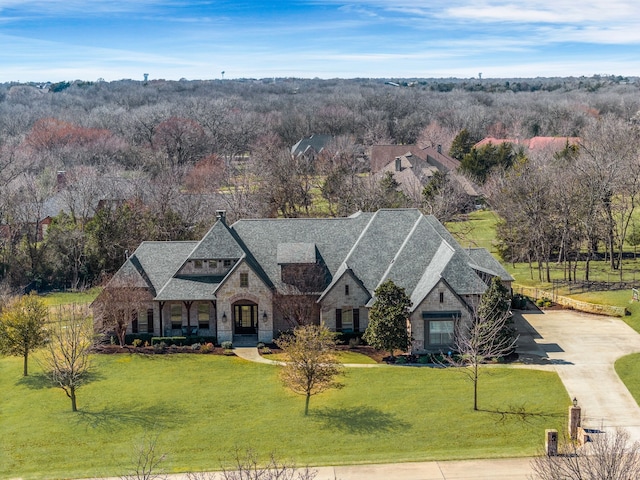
582,349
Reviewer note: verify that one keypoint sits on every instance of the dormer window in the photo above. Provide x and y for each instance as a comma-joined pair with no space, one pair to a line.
197,264
228,263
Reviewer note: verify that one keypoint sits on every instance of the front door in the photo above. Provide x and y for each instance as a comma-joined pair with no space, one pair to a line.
245,319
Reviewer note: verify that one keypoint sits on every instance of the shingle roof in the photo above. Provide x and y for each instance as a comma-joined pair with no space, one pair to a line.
194,287
333,238
314,143
218,243
413,250
161,260
484,261
290,253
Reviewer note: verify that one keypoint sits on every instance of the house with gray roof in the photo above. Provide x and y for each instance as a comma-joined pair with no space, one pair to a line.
229,284
311,146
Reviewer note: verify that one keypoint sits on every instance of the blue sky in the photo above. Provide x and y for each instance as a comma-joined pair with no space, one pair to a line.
58,40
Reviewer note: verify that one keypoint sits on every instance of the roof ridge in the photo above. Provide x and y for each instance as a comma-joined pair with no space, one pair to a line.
362,233
399,251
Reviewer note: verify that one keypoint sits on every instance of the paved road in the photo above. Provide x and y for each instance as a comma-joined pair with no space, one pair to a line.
581,348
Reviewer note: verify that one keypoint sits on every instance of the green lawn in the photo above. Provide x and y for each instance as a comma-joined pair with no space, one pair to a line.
478,230
343,357
204,405
68,298
621,298
628,371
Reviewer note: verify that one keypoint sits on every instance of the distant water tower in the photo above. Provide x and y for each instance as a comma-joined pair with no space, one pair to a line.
146,77
222,73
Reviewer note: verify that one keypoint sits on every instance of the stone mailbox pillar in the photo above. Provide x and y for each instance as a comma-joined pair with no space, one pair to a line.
575,414
551,442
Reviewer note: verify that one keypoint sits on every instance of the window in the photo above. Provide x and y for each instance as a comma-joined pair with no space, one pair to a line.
244,280
347,319
134,321
176,316
197,264
228,263
346,290
441,297
150,320
143,324
203,316
441,332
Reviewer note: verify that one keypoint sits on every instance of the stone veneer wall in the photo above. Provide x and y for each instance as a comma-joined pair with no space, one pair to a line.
587,307
257,292
337,299
431,304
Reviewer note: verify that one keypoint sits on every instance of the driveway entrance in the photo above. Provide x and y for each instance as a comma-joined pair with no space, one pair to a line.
582,349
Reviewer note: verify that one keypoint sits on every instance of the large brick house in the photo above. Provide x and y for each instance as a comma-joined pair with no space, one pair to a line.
231,283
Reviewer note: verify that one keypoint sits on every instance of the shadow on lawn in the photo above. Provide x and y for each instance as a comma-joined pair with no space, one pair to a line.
39,381
35,381
112,419
520,413
359,420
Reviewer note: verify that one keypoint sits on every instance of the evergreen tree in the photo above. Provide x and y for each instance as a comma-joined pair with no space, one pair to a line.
462,144
387,329
494,306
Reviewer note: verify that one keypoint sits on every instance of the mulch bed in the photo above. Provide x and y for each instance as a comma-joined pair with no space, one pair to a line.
376,355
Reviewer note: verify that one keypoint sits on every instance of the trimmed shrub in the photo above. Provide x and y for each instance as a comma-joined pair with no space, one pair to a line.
129,338
227,345
169,341
344,338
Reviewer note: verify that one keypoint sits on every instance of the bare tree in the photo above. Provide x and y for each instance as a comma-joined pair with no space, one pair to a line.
119,304
66,358
311,366
246,466
479,342
608,456
296,299
147,460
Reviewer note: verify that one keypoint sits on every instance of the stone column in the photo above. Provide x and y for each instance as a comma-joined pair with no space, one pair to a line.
575,414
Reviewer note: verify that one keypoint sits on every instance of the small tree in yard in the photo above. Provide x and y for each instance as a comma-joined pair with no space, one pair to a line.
312,367
489,336
608,456
66,359
23,327
117,306
387,329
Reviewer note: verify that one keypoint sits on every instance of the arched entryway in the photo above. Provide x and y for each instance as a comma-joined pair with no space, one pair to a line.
245,320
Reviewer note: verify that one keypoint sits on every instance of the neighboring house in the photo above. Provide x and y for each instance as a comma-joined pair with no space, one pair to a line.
228,284
532,144
310,147
412,167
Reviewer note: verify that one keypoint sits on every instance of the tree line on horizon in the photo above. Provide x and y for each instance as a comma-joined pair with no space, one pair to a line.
131,161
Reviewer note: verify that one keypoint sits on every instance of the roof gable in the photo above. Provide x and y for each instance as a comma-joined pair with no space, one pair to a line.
218,243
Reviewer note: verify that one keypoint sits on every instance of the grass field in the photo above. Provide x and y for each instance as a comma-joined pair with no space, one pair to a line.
343,357
203,406
628,371
67,298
